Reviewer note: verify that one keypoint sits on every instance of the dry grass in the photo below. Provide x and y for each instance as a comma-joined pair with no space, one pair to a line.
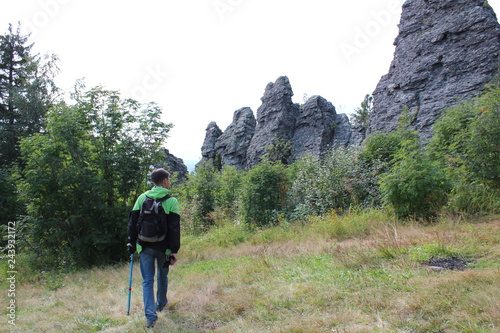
295,279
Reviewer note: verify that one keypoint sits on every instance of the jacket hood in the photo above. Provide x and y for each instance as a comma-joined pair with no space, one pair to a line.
157,192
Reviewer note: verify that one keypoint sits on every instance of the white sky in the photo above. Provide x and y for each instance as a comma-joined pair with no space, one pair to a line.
201,60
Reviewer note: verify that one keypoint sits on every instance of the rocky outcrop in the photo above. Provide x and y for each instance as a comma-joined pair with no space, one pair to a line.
233,144
208,150
446,51
312,128
358,134
343,131
276,118
174,165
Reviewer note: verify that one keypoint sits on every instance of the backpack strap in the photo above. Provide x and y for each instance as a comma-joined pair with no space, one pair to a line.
159,201
164,198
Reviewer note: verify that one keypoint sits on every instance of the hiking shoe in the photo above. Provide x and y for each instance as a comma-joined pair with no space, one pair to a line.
150,323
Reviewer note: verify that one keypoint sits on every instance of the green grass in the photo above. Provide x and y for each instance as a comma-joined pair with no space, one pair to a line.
358,273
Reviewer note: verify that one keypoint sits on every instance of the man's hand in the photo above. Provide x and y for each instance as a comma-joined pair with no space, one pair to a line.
131,248
173,258
170,260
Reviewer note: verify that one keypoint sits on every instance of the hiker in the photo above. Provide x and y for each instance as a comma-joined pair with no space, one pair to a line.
161,247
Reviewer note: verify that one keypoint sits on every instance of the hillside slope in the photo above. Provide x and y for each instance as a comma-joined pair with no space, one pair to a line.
358,273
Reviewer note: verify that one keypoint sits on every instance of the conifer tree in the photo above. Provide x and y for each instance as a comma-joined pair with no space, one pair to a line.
27,91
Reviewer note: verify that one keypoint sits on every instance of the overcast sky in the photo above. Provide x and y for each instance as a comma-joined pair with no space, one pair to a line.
201,60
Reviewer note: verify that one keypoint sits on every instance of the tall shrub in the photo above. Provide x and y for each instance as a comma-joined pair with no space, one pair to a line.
263,194
199,192
415,186
229,182
380,148
337,181
466,142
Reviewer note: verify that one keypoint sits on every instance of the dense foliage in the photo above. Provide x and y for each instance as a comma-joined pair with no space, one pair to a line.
338,181
27,91
83,173
415,186
466,143
263,193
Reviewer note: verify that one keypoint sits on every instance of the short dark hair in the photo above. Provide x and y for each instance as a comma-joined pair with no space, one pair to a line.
158,175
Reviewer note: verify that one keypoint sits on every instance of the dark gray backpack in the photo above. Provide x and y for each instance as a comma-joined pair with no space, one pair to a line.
152,222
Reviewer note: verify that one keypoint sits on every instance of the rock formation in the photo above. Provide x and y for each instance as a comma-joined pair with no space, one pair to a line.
313,128
232,145
343,130
276,118
173,165
213,132
446,51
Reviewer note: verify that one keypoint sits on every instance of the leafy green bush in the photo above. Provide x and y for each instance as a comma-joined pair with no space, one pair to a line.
381,147
415,186
229,182
338,181
474,198
278,151
263,193
466,142
201,193
361,116
483,148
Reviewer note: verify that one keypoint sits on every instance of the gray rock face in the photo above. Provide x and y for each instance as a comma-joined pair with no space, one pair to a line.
233,144
174,164
276,118
445,52
208,150
358,134
343,131
314,129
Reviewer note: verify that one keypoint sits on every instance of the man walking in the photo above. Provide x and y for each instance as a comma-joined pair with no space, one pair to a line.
162,248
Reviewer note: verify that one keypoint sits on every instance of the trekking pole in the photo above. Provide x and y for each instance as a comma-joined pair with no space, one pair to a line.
130,283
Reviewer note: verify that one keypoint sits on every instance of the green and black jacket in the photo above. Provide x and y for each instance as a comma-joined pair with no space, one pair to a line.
171,208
